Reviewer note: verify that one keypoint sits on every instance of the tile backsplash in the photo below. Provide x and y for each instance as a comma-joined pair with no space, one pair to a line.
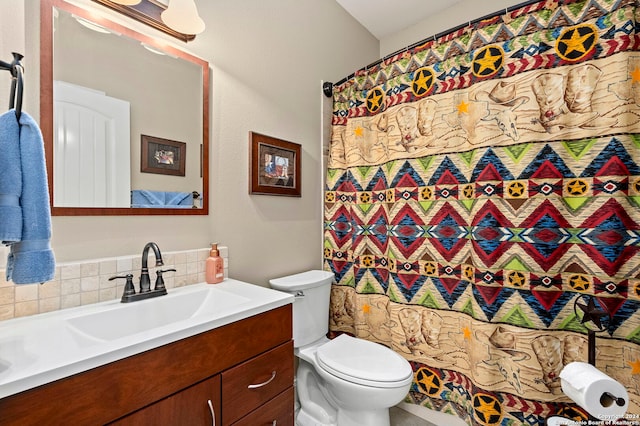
87,281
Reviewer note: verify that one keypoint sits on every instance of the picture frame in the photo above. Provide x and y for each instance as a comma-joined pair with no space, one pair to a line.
274,166
162,156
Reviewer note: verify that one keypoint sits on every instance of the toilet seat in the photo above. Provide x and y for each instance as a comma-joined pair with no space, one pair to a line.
363,362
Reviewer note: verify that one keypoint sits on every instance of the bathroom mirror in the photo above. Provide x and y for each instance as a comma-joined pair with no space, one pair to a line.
124,116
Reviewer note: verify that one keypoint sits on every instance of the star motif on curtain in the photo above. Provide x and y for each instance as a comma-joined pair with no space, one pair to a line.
635,75
517,279
487,408
463,107
422,81
374,99
466,332
488,61
468,191
576,42
516,189
429,269
358,131
366,309
580,283
577,187
635,366
428,381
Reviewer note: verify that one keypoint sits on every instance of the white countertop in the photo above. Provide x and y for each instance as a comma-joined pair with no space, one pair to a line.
43,348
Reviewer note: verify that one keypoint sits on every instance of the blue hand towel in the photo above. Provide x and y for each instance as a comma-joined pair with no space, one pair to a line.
159,199
179,199
10,179
31,260
142,197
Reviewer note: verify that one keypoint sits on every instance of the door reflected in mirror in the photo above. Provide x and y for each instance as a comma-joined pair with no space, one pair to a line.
105,91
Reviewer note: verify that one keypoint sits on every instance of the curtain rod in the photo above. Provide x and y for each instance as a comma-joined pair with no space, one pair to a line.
327,86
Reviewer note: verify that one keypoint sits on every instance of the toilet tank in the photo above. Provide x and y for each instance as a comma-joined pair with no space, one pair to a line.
311,306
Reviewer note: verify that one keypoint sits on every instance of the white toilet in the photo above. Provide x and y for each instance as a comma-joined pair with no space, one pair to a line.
345,381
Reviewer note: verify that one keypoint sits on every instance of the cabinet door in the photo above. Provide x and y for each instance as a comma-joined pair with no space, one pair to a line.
188,407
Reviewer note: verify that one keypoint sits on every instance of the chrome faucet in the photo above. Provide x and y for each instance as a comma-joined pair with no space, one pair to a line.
159,289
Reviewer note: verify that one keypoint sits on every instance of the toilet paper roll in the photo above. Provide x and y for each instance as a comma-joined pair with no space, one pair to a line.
600,395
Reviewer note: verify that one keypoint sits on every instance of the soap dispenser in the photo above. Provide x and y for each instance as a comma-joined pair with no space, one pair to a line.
214,267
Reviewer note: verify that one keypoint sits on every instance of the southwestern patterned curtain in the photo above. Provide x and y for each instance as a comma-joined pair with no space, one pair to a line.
480,184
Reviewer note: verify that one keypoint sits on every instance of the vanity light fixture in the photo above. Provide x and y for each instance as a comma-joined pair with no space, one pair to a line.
91,25
127,2
182,16
152,49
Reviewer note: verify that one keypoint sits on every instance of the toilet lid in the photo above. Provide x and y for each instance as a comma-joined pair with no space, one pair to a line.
363,362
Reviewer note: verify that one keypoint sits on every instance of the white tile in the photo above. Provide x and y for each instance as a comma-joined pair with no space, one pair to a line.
89,283
108,267
124,264
24,309
7,311
70,271
49,289
89,269
106,294
26,292
70,286
70,301
89,297
49,304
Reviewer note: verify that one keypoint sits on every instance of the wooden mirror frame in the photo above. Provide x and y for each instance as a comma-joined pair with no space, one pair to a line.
46,111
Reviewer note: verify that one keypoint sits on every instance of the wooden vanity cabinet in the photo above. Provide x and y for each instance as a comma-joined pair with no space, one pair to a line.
244,369
187,407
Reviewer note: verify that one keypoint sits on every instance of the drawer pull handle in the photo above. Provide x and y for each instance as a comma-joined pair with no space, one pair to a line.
259,385
213,413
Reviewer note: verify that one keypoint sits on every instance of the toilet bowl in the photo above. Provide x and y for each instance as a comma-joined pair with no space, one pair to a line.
346,381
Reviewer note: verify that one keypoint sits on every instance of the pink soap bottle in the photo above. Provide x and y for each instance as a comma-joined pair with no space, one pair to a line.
214,267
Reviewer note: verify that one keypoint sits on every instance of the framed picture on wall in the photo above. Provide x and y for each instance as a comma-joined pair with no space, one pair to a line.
274,166
162,156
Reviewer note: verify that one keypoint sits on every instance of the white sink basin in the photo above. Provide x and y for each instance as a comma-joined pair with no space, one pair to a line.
42,348
128,319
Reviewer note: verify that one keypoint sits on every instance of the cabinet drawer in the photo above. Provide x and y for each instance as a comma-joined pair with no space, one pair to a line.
254,382
277,412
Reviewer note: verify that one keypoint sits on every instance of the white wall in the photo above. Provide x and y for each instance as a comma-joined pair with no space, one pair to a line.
267,61
458,14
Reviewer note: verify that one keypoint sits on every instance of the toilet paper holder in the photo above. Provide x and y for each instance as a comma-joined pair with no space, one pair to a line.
607,399
594,314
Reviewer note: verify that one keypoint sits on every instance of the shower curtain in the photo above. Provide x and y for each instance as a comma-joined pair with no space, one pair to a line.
480,187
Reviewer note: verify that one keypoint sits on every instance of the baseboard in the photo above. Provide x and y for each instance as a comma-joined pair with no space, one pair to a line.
435,417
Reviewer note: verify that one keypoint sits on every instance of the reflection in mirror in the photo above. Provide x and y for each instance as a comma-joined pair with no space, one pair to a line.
125,119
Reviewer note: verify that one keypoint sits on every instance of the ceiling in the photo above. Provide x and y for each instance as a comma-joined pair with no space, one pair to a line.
385,17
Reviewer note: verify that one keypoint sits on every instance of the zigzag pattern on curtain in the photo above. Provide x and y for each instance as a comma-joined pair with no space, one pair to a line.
478,186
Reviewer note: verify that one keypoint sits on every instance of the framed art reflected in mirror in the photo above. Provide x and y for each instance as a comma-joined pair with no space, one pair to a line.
274,166
162,156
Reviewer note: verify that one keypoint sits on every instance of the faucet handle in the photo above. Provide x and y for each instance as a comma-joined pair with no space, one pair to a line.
159,280
129,289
